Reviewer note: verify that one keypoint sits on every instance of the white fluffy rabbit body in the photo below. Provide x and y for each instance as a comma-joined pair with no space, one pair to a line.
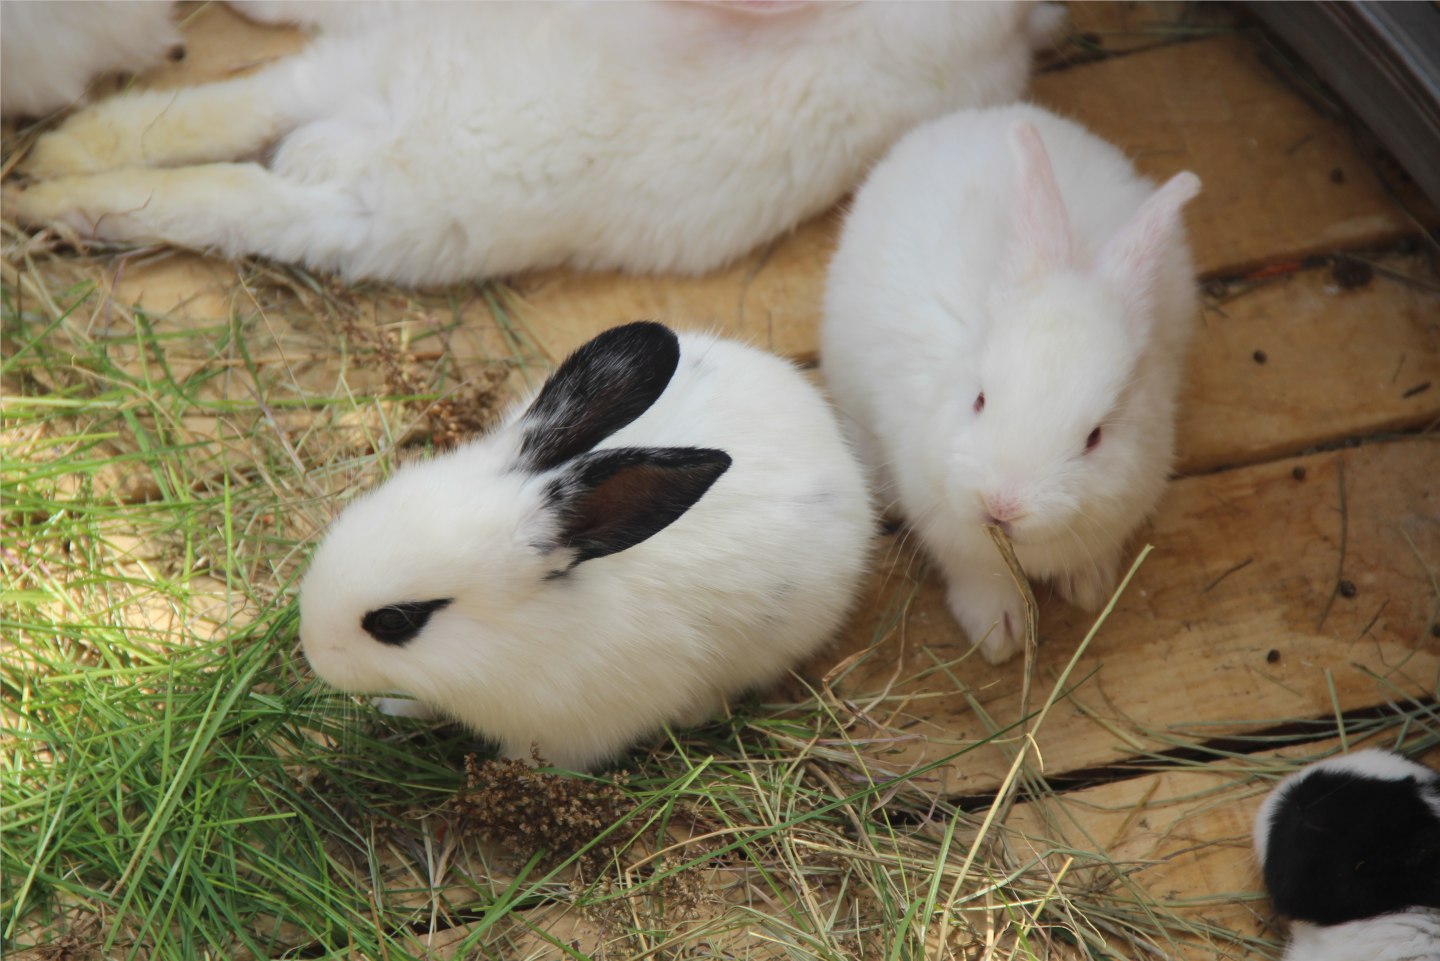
622,553
1005,324
49,52
1350,849
459,140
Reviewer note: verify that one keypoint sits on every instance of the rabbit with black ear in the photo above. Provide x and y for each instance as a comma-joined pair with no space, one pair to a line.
439,142
670,521
1005,324
1351,851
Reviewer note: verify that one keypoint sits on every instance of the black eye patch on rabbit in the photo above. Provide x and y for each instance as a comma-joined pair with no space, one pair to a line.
399,623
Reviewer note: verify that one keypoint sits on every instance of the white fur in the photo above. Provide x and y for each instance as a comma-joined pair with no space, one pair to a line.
928,304
1371,763
1047,26
460,140
49,51
1412,935
755,576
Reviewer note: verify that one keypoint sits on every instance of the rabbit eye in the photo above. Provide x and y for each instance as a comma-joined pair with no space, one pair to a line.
1093,440
980,402
399,623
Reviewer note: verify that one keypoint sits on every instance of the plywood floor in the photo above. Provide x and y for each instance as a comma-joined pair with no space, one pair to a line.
1304,461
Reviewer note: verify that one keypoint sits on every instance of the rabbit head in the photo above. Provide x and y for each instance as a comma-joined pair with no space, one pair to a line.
1053,440
1352,837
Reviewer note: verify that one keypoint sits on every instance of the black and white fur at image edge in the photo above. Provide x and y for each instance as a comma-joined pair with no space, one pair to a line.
1350,849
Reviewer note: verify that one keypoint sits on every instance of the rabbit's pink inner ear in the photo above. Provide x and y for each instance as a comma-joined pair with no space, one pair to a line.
759,7
1040,231
1130,262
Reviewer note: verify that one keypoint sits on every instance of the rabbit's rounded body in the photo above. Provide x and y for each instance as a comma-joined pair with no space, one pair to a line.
1350,850
460,140
51,51
970,390
744,584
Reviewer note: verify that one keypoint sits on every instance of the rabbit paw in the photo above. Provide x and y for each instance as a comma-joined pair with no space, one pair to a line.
403,707
72,201
995,614
1087,588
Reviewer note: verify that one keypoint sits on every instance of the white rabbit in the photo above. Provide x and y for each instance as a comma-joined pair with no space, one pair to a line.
670,521
459,140
1006,353
1350,849
49,52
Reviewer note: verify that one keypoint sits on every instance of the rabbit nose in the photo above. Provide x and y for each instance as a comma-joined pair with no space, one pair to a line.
1003,508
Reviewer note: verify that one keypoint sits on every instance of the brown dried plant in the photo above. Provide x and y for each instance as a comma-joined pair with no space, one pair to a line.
508,802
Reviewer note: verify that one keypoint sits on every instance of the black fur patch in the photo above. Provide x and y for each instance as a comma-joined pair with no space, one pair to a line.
613,499
599,389
398,624
1343,847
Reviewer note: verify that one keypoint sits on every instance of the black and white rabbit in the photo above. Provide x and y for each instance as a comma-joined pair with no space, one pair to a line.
672,519
1351,851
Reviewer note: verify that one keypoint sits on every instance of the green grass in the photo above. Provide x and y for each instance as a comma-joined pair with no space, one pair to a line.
176,785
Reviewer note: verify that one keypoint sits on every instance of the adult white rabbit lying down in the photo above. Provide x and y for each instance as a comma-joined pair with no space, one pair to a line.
1005,324
460,140
49,52
622,553
1351,850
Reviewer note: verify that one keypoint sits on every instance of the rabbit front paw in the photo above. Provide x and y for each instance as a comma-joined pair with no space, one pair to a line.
993,616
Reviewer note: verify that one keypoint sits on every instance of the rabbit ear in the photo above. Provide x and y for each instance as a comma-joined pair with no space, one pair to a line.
613,499
599,389
759,7
1131,260
1040,228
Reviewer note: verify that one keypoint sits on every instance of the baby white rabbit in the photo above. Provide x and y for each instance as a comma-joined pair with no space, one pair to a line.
49,52
459,140
670,521
1005,323
1351,851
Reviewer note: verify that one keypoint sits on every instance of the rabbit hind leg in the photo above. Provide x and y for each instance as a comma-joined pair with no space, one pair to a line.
230,209
230,120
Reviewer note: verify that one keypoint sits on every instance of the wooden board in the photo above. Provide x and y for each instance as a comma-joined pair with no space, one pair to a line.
1107,27
1266,157
1245,563
771,297
1300,362
1188,833
220,44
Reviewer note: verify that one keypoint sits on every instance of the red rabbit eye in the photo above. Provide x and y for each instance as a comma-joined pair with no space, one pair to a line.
1093,440
980,402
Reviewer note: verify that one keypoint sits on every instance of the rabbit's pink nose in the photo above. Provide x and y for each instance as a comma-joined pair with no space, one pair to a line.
1003,508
